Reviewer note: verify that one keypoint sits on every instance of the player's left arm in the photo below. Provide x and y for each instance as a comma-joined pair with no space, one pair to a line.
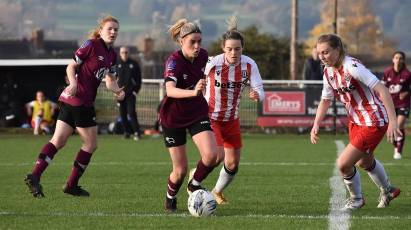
393,130
111,84
256,83
361,73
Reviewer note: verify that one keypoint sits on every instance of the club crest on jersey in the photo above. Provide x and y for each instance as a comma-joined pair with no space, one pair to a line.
347,78
218,72
185,76
244,73
100,58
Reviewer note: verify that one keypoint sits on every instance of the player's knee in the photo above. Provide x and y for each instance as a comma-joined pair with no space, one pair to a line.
180,172
90,147
231,166
58,143
344,168
210,159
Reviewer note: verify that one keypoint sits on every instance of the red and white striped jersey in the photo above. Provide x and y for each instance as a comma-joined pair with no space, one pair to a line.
225,83
353,85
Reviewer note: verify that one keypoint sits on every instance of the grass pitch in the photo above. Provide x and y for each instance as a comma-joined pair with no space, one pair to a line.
283,183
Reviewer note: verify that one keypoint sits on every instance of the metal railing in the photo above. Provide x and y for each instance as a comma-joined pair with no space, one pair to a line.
152,91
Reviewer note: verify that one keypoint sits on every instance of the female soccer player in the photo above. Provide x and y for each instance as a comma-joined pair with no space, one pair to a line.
397,78
227,75
371,114
93,62
184,107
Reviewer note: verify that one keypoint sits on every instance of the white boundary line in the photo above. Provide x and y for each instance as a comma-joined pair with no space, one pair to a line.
169,163
186,215
338,220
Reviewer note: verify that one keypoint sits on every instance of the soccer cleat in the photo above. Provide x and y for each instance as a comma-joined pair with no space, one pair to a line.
136,137
353,204
170,205
387,195
34,185
191,188
397,156
75,191
219,197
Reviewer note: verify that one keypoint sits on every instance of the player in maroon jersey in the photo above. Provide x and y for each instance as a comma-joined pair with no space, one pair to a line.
371,113
397,78
184,108
94,61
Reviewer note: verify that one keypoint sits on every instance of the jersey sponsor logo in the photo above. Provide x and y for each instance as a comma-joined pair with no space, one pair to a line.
204,122
393,89
345,89
230,84
101,73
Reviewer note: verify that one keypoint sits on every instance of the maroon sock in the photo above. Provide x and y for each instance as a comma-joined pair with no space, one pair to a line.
202,171
79,166
172,188
44,158
400,144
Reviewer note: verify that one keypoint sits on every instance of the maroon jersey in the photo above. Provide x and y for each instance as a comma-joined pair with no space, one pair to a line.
396,84
182,112
95,60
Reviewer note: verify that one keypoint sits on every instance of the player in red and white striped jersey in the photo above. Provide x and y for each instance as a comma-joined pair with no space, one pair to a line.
227,75
371,113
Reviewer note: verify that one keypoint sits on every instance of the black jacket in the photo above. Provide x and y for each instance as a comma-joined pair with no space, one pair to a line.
129,76
313,69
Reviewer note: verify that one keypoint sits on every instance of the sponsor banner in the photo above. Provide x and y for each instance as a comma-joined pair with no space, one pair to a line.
284,102
298,121
296,107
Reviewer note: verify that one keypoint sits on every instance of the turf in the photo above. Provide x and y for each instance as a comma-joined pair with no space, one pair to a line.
283,183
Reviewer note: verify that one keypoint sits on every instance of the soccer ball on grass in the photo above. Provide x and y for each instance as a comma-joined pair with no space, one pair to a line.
201,203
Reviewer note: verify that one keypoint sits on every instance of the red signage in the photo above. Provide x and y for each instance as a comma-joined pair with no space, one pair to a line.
284,103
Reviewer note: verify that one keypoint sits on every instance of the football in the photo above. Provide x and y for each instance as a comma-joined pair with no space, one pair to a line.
201,203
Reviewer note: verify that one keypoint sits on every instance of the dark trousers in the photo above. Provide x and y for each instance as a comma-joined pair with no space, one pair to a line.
128,110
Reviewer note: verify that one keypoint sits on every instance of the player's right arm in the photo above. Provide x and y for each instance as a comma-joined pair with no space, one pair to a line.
319,116
172,75
173,91
326,97
71,70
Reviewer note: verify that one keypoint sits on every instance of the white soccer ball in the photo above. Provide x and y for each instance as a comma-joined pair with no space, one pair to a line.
201,203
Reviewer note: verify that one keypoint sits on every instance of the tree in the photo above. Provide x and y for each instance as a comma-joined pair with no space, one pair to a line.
358,26
271,54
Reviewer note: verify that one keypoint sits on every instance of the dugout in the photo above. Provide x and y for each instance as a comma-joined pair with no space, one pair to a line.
19,81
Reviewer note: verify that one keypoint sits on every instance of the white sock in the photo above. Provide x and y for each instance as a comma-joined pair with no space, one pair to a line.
378,176
353,185
224,179
194,182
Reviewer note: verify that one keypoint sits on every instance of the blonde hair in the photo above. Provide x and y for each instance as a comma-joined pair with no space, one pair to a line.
182,28
336,43
95,33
